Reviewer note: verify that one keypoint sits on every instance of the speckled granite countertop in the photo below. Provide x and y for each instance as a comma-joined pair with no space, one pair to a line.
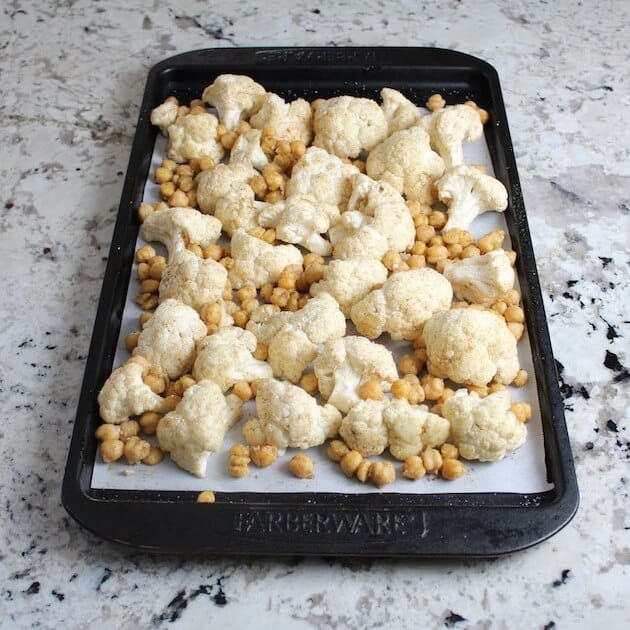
73,74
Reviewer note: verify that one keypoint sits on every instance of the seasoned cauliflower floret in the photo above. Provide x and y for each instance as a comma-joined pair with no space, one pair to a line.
238,210
192,280
257,262
226,358
194,136
347,363
235,96
401,306
164,115
449,127
125,394
301,220
290,121
399,111
168,339
290,352
377,217
320,320
481,279
220,181
347,125
290,417
348,281
483,428
406,162
197,426
179,227
247,149
468,193
471,346
363,429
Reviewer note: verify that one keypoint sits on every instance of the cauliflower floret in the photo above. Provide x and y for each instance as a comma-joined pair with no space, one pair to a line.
179,227
235,96
164,115
290,417
323,176
320,320
468,193
247,149
348,281
483,428
226,358
257,262
125,394
301,220
406,162
471,346
399,111
377,217
220,181
449,127
290,121
412,428
168,339
347,363
481,279
194,136
363,429
400,307
238,210
290,352
346,125
197,426
192,280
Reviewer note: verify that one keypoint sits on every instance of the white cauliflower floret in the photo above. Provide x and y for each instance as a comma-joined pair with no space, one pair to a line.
168,339
289,417
377,218
238,210
289,353
348,281
323,176
406,162
164,115
179,227
412,428
194,136
363,429
400,307
226,358
449,127
220,181
347,363
399,111
257,262
235,96
247,149
483,428
125,394
320,320
197,426
300,220
347,125
481,279
468,193
192,280
290,121
471,346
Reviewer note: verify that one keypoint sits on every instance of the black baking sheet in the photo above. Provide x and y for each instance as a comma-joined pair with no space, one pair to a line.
485,523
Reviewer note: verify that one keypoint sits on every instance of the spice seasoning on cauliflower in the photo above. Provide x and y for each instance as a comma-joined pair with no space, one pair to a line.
197,426
470,346
247,149
363,429
290,121
220,181
483,428
238,210
347,125
193,136
164,115
290,352
289,417
399,111
400,307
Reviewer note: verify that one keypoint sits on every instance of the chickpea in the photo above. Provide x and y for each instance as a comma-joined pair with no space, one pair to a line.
520,380
254,386
269,236
438,219
149,286
261,352
250,305
239,459
131,340
314,273
416,395
129,429
309,383
179,199
483,114
263,456
522,411
311,258
470,251
240,318
371,390
418,249
413,468
167,190
350,462
157,267
401,388
416,262
207,496
280,297
517,329
409,365
243,390
436,253
435,102
211,313
183,383
420,356
206,163
144,211
433,387
500,307
111,450
363,471
392,260
480,390
170,402
491,241
107,432
154,457
266,292
432,460
144,254
135,449
446,394
425,233
228,139
452,469
286,280
302,467
148,422
155,383
449,451
495,387
382,473
514,314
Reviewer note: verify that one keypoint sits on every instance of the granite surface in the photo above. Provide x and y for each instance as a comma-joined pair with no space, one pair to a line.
73,74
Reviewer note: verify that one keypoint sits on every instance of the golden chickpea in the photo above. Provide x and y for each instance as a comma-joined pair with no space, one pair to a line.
491,241
170,402
517,329
239,459
392,260
350,462
514,314
240,318
382,473
522,411
156,268
131,340
371,390
111,450
254,386
228,139
436,253
145,254
195,249
363,471
413,468
135,449
416,262
243,390
337,450
211,313
107,432
261,352
438,219
416,395
420,355
162,175
206,163
154,457
149,286
446,394
419,248
520,380
302,467
455,250
432,460
313,273
480,390
128,429
424,233
207,496
433,387
452,469
401,388
280,297
148,422
286,280
213,252
449,451
250,305
269,236
263,456
470,251
435,102
408,365
298,148
499,307
309,383
495,387
155,383
483,114
311,258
